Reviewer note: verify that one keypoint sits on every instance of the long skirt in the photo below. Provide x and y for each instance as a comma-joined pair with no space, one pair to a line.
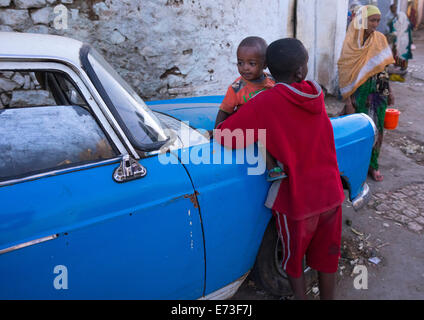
368,99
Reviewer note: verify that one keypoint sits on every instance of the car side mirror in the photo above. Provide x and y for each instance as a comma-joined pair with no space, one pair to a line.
128,170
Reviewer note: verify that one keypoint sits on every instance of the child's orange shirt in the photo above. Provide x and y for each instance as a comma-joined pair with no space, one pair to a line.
242,90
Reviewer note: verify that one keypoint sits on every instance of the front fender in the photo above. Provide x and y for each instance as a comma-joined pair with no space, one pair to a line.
354,137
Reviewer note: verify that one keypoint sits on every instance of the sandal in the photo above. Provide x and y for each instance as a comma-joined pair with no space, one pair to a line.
281,175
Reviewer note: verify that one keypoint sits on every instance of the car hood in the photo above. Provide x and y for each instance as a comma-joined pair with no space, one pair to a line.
199,112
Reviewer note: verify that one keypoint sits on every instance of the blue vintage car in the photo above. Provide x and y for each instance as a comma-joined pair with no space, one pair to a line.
104,197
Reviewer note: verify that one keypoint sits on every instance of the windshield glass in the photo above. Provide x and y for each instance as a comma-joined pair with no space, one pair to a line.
139,123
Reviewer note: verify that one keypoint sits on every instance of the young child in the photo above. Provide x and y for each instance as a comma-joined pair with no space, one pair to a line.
306,205
251,64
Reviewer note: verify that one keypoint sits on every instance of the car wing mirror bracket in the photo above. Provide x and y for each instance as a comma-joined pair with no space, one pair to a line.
128,170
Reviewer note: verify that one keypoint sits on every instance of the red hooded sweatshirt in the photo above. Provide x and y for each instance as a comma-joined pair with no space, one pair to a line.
299,135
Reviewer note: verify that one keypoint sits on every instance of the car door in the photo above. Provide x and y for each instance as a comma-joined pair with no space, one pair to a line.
68,230
231,191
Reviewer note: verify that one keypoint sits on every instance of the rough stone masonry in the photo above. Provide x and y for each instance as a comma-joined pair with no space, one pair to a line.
163,48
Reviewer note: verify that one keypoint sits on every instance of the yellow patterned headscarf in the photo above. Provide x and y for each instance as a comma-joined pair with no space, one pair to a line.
359,61
372,10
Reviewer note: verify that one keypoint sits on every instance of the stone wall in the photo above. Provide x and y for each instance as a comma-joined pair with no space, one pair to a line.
20,89
163,48
321,26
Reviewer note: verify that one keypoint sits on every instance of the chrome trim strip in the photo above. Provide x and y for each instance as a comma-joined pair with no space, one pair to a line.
362,199
29,243
178,106
373,126
227,291
60,171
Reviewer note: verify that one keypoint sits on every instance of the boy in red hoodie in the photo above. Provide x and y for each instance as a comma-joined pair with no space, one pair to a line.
299,135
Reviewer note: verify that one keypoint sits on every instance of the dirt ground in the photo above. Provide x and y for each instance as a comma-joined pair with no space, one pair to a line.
385,237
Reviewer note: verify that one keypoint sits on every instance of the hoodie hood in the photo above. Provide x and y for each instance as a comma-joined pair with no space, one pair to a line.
306,95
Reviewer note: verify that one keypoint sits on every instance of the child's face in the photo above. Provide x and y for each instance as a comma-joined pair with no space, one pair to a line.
250,63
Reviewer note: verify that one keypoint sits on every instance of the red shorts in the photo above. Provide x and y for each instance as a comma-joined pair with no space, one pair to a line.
317,237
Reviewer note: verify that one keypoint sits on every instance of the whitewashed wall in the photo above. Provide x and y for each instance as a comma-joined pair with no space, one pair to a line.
321,26
172,48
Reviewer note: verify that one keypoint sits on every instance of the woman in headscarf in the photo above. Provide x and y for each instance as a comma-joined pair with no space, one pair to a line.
412,13
363,80
401,29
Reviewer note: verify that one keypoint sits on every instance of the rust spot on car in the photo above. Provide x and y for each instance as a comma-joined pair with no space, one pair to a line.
193,198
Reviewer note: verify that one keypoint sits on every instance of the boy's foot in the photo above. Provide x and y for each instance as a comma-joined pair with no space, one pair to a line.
376,175
275,174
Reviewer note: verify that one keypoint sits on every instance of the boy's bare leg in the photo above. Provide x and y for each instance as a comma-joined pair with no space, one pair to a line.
327,285
298,286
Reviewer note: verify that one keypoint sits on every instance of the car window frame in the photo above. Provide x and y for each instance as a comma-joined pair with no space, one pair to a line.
87,66
94,109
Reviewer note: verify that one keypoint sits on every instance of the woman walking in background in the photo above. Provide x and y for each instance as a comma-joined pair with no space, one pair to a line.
401,29
363,80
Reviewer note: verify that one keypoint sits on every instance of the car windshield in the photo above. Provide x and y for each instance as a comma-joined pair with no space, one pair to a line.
139,123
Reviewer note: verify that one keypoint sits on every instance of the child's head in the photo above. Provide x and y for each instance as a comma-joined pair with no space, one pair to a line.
287,60
251,54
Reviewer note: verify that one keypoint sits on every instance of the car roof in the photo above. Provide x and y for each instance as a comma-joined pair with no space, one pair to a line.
39,46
